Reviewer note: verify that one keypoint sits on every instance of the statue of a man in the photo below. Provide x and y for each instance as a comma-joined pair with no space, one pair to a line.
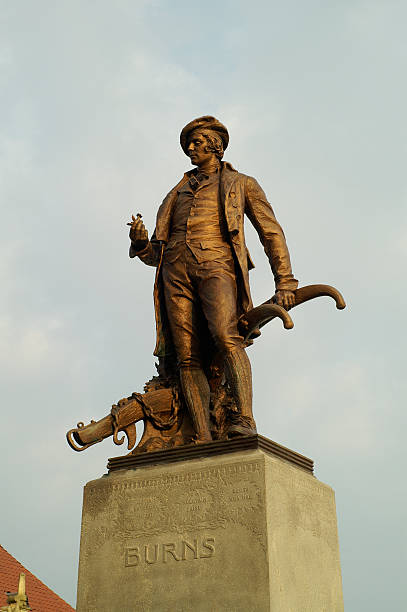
202,281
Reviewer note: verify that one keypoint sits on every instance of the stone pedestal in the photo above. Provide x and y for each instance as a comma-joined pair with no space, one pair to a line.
247,528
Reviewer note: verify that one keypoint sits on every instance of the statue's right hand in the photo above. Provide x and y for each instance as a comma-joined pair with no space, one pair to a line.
138,233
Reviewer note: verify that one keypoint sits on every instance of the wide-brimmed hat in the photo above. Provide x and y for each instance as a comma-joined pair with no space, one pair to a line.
208,123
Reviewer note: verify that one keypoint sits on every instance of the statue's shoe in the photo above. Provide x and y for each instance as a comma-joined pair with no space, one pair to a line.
241,426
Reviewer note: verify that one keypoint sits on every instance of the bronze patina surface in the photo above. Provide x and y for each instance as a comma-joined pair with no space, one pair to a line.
204,313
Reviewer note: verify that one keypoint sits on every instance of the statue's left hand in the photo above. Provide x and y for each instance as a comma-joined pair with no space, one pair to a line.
284,298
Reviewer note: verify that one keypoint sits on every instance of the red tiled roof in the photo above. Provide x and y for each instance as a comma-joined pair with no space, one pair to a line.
40,597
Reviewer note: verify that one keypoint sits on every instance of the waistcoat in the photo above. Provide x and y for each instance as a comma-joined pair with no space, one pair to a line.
198,219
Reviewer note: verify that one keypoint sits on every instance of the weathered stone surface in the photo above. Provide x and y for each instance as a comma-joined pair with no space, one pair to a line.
303,548
245,531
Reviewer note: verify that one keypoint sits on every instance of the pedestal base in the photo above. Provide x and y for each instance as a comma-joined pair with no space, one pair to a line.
242,531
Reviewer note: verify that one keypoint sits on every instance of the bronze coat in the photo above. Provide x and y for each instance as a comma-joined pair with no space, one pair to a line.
240,195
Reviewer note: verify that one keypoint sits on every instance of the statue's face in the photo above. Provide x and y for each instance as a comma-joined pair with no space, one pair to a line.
196,149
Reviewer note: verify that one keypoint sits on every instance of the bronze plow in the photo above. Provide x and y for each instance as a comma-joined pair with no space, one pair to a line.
266,312
166,424
158,408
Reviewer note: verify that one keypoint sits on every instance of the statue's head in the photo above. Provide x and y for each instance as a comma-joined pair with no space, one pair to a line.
205,135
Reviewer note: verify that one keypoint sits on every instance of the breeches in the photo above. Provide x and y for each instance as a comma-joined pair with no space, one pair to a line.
192,289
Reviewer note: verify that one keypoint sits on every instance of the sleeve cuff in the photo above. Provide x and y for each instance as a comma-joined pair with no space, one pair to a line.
134,253
287,285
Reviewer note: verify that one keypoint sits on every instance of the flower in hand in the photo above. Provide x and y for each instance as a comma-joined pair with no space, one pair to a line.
138,233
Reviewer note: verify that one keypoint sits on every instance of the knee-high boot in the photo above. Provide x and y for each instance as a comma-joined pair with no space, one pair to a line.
195,389
238,374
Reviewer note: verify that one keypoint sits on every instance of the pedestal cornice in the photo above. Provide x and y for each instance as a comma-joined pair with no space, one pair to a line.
183,453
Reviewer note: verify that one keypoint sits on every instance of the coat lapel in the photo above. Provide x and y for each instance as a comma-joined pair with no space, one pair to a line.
228,177
162,226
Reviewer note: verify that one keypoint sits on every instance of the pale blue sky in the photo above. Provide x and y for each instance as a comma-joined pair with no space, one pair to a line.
93,97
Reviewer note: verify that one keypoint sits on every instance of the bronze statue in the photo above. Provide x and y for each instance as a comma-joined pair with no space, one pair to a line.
203,262
204,314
